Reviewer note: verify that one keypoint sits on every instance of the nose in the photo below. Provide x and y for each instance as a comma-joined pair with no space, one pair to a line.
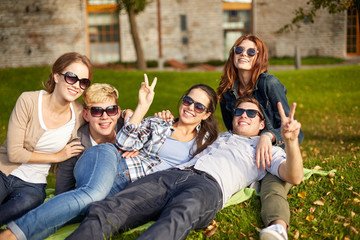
244,115
192,107
77,85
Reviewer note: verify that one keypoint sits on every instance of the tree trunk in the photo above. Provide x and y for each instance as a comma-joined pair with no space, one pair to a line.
140,63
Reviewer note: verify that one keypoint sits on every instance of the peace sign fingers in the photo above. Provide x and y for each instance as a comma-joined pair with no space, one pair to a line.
290,128
146,81
292,111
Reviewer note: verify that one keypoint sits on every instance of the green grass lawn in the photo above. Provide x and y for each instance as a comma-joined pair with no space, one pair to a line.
328,108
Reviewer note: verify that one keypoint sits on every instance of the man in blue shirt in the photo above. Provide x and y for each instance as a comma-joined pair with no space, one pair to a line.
188,197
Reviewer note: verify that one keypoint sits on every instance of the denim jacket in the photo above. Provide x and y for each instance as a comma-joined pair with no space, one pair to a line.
268,91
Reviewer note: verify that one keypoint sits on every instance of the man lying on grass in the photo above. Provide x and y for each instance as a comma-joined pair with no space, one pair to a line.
188,197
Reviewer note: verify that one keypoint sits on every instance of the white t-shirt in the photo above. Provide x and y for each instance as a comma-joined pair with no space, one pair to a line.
52,141
231,161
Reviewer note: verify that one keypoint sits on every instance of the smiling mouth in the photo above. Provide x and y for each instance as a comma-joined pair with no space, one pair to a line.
72,91
104,125
243,123
243,60
188,113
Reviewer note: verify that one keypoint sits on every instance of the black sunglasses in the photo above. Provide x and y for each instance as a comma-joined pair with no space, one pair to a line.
251,113
198,107
99,111
250,51
72,78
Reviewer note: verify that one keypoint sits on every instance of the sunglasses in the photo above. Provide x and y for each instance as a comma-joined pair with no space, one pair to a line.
72,78
198,107
250,51
99,111
251,113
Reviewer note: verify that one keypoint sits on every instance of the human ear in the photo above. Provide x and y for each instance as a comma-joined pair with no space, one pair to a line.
262,125
206,116
85,114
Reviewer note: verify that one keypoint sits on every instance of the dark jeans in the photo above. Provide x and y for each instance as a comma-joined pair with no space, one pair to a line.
178,200
17,197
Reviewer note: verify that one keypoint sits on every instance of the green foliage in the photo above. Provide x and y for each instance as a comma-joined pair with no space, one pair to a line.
309,14
328,109
136,5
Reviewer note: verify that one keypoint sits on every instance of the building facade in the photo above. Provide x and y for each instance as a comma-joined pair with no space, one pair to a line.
325,37
36,32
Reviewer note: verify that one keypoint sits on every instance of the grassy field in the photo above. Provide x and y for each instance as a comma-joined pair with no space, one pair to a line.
329,109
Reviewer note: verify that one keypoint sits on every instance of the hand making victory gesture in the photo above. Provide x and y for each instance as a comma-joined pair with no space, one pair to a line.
146,92
290,128
146,97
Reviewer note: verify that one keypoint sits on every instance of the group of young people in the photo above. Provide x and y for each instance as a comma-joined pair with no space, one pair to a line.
120,170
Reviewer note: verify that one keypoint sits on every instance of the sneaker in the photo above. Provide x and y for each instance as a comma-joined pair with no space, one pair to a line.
273,232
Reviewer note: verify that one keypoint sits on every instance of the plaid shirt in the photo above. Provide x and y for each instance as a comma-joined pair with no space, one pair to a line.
148,137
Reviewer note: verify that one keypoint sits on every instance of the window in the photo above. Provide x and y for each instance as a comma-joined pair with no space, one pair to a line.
352,32
101,2
183,25
237,20
103,27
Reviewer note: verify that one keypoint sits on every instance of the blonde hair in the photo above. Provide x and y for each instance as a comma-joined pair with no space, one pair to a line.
99,93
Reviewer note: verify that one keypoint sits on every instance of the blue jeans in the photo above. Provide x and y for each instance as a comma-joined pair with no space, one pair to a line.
17,197
95,173
178,200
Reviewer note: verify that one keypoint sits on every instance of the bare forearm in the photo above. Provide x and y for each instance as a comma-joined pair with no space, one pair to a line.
139,114
292,170
44,158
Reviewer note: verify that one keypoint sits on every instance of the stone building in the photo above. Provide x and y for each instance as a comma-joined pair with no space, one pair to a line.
36,32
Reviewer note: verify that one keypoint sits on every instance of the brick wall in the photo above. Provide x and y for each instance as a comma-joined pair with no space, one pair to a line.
36,32
326,37
204,34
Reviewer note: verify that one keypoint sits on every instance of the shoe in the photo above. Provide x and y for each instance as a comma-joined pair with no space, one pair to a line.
273,232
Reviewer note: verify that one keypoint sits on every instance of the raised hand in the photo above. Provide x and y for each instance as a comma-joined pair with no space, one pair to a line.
290,128
146,92
146,96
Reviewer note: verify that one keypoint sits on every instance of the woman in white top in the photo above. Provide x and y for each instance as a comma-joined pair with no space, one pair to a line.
40,128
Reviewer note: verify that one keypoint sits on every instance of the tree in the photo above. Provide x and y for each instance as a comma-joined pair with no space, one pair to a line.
333,6
134,7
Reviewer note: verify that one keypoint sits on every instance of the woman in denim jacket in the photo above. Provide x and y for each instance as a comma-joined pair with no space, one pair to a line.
245,73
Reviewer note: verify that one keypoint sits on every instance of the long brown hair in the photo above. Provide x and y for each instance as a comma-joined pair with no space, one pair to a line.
209,130
62,62
230,73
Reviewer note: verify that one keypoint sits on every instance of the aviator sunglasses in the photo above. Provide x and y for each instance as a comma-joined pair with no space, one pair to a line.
99,111
72,78
251,113
198,107
250,51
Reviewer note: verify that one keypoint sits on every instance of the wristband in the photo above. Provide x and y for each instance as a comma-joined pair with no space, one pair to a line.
269,135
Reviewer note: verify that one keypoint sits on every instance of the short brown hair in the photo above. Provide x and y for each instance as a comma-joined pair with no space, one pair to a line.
249,99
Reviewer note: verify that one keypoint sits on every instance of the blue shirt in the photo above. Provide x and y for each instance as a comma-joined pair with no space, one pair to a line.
173,153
